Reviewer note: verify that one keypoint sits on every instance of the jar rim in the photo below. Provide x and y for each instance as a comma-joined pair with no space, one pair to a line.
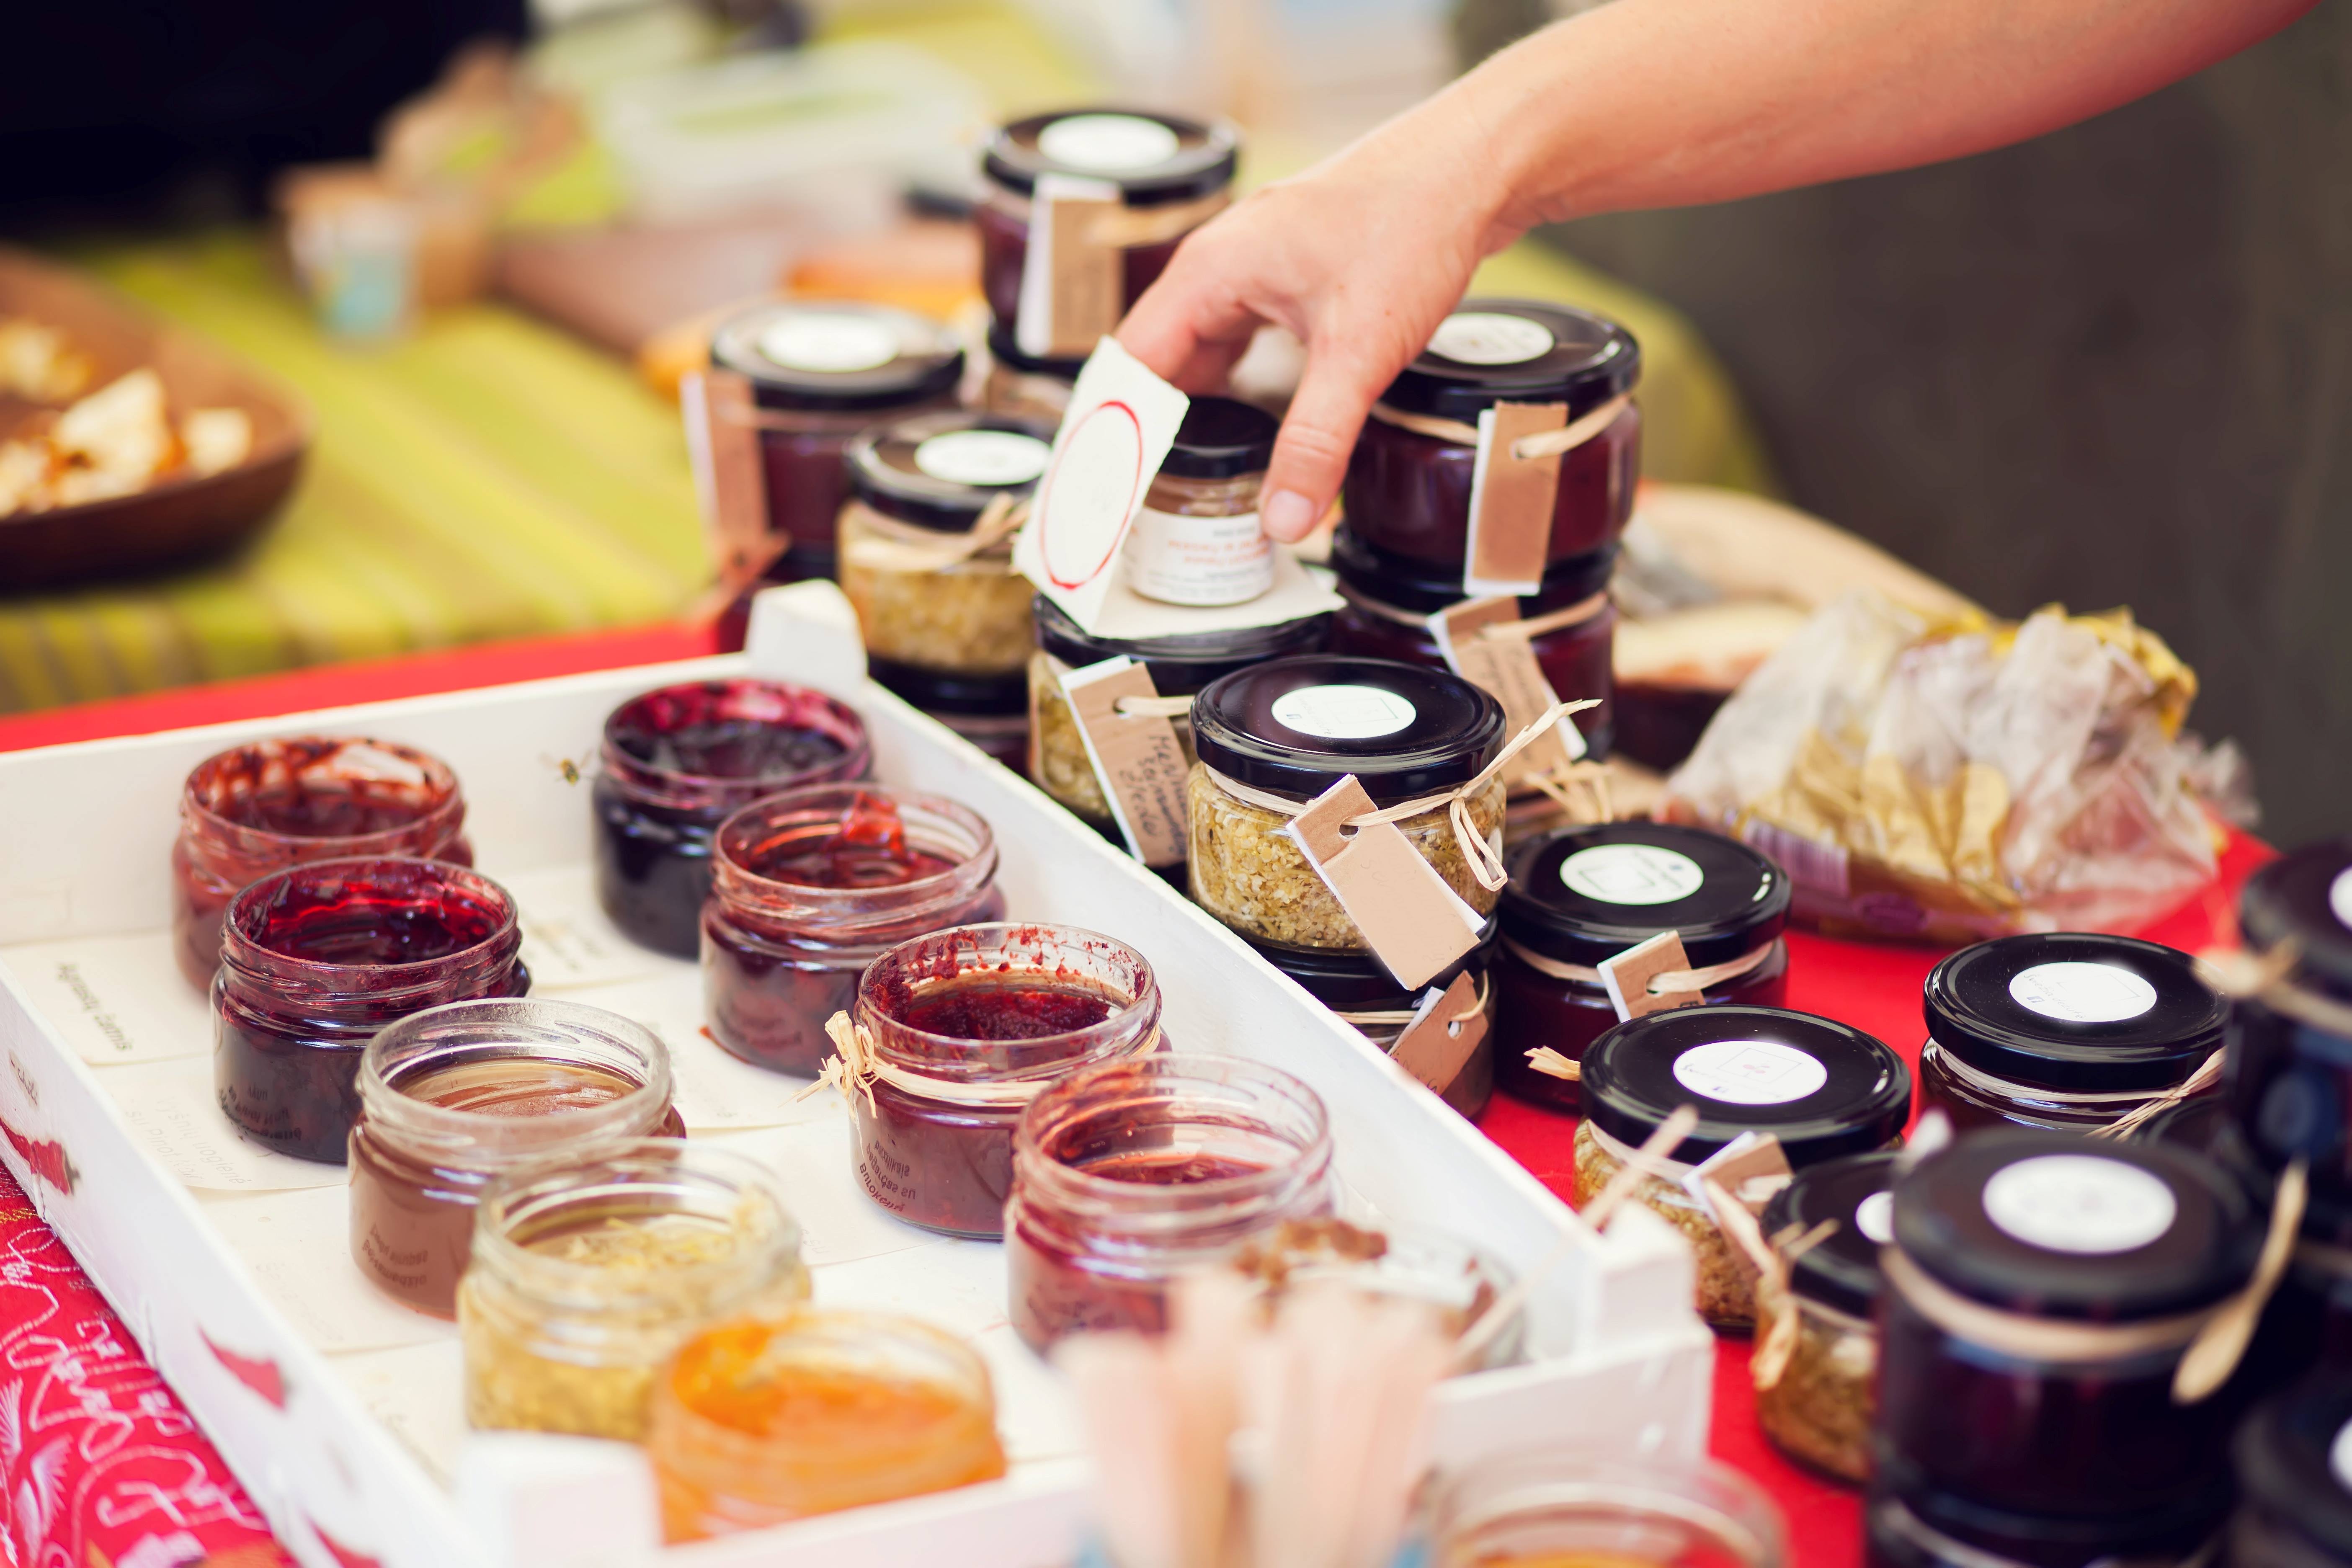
955,1059
1013,159
461,1032
743,889
1973,1010
1180,664
241,949
1589,360
1703,1494
1723,896
1448,733
926,365
900,490
432,773
775,702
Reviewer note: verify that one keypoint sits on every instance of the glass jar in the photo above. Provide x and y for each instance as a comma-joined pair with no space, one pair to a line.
315,959
588,1276
1026,387
2292,1458
679,761
1390,605
1454,1280
1591,1510
757,1423
1408,493
932,595
1823,1089
813,885
261,808
1170,175
1132,1174
2289,1079
1290,729
961,1030
1360,989
1179,666
2069,1029
1196,541
1580,897
1817,1406
1923,1527
2040,1291
452,1097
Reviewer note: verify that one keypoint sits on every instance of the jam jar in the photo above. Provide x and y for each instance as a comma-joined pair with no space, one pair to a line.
315,959
1360,989
1130,1173
679,761
811,885
451,1097
1582,895
2067,1029
934,594
2289,1078
1816,1405
1179,665
990,712
1566,1509
1286,731
1920,1527
1197,541
2292,1458
1408,486
1026,386
261,808
1390,603
2040,1294
1170,175
958,1031
759,1423
1822,1088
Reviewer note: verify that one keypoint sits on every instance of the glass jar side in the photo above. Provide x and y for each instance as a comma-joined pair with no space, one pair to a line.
1974,1098
1534,1009
802,453
1565,1506
970,617
1197,541
1819,1409
1001,216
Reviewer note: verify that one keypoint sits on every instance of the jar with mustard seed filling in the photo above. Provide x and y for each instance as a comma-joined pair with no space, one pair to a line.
1813,1374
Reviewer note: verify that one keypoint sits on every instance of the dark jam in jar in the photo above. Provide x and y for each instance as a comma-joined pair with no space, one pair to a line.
316,959
1584,895
678,762
1359,990
2289,1079
2292,1458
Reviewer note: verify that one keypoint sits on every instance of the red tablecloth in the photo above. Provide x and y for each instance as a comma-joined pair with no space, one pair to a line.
97,1453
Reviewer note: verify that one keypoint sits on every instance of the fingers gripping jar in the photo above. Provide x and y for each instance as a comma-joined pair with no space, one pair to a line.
1817,1350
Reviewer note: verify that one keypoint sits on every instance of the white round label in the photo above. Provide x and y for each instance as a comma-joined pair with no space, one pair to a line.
1488,337
2079,1203
1631,874
984,458
1749,1072
1108,143
1343,712
2074,992
1874,1217
2339,897
829,343
2339,1456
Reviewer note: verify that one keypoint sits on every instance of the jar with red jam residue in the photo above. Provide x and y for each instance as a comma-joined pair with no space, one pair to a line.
318,958
1134,1173
1580,897
453,1097
1390,601
261,808
813,885
679,761
956,1032
1408,485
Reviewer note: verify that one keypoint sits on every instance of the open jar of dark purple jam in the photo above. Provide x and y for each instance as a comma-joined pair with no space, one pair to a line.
1408,490
1359,988
678,761
317,958
2292,1458
2041,1292
2289,1078
1584,895
261,808
961,1030
2066,1029
811,885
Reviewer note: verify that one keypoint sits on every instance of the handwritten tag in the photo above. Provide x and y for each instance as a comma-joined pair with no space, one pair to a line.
1414,923
1627,976
1439,1040
1137,757
722,446
1511,500
1504,666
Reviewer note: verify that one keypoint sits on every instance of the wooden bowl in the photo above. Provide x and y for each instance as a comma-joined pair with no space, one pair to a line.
179,519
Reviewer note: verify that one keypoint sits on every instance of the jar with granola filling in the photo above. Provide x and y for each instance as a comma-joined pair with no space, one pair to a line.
1822,1088
1813,1395
1273,737
1360,991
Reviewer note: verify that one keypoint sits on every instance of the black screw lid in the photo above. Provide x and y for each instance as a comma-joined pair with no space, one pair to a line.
1114,144
2065,1225
1179,665
1823,1088
941,470
838,355
1584,894
2306,896
1297,726
1370,572
1842,1272
944,691
1222,438
1351,982
1517,351
1005,350
2293,1459
2074,1010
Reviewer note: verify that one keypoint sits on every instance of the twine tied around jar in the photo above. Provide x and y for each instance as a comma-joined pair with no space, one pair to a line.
1667,983
856,1063
898,546
1526,449
1774,1259
1550,621
1386,1017
2266,977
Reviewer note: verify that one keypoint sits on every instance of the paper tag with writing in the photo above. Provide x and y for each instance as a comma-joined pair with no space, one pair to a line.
1071,285
1504,666
1414,923
1137,757
1628,974
722,446
1439,1040
1511,500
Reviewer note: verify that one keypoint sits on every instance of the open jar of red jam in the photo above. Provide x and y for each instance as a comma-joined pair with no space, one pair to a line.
2066,1029
1408,485
678,761
955,1034
1580,897
452,1097
317,958
1132,1174
1359,988
261,808
2292,1458
2289,1078
813,885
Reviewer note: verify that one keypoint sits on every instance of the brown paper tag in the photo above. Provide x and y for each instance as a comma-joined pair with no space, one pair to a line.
1506,667
1628,974
1412,922
1752,1171
725,446
1137,759
1087,288
1432,1047
1511,500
